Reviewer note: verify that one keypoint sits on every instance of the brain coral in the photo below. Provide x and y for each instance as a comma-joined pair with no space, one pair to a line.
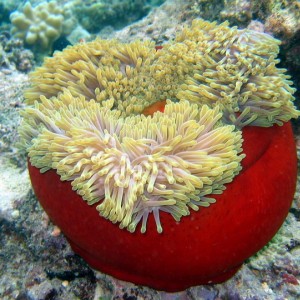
85,118
40,25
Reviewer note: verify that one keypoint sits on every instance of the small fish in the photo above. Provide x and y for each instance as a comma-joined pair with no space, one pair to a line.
157,106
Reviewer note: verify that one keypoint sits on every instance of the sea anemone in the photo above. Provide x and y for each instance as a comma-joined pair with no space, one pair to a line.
88,122
101,141
206,64
138,130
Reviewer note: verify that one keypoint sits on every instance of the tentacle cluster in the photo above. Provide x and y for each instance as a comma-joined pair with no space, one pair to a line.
137,164
236,69
85,118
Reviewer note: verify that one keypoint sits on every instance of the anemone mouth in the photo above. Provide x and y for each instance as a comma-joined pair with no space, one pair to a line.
91,118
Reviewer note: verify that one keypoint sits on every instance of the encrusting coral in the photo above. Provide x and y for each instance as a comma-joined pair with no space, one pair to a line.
86,121
40,25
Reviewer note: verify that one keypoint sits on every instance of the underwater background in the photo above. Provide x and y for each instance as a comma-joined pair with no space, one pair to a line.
36,261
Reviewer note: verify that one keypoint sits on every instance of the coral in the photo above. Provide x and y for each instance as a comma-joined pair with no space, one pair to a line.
238,12
13,55
95,15
280,17
235,12
6,7
38,26
206,9
281,25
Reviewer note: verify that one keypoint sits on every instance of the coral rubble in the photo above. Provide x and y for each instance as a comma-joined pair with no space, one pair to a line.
13,55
